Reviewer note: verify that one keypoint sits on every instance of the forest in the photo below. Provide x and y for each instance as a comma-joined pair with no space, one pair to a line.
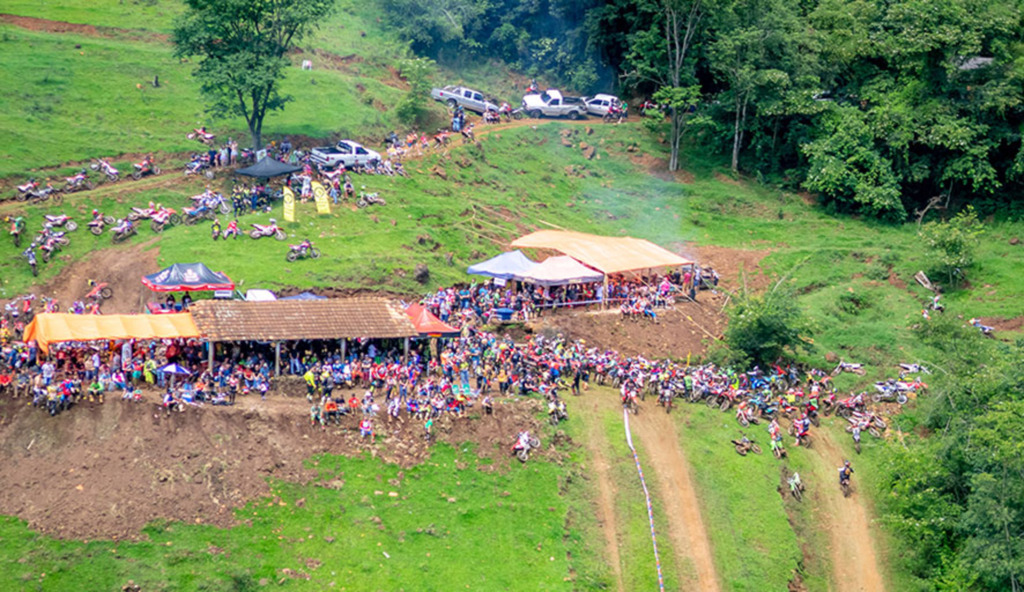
884,108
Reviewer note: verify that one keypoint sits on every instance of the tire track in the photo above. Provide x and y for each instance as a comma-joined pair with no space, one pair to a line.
686,527
854,561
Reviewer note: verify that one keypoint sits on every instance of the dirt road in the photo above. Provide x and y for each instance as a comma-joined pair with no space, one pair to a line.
657,433
849,525
597,446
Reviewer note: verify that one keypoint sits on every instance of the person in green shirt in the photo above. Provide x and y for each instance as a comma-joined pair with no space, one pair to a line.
96,391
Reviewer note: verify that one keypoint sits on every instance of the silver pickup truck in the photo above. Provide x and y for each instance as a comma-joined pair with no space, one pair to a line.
473,100
551,103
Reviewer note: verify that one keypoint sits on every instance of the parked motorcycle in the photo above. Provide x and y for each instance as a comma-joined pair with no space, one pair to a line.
163,218
123,231
193,216
201,135
16,228
302,251
146,167
261,231
104,166
27,188
78,182
62,220
745,445
99,222
47,192
199,165
30,254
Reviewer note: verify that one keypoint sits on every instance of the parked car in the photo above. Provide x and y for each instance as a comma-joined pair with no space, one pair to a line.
601,103
473,100
346,152
551,103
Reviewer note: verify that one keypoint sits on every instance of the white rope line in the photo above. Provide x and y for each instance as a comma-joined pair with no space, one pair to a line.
647,496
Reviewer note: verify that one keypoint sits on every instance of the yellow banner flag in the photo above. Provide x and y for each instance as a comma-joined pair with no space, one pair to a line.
323,205
289,204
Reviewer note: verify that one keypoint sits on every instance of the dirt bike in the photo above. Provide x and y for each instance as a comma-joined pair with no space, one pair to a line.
665,398
523,452
16,229
123,232
164,218
201,135
107,169
78,182
746,445
101,291
195,215
144,168
59,221
796,487
199,166
845,487
745,418
50,247
629,403
777,449
30,254
41,195
261,231
852,368
27,188
296,252
614,114
366,199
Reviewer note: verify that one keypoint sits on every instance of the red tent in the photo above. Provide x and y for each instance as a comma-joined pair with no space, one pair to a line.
427,324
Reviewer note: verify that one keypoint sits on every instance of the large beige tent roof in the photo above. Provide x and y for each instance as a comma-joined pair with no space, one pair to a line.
607,254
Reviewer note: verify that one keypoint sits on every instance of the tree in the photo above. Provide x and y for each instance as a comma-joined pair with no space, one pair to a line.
413,109
953,242
766,326
659,55
243,47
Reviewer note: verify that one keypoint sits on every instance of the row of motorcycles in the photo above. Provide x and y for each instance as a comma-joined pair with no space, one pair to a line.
37,191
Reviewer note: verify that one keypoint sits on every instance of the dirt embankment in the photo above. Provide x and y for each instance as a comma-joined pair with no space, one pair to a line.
48,26
104,471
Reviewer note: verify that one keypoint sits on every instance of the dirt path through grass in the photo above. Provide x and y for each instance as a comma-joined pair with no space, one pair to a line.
848,524
597,447
676,491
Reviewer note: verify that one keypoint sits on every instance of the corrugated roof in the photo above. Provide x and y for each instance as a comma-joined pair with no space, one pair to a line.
289,320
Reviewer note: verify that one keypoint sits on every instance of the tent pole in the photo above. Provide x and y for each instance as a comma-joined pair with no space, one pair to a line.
604,294
209,362
405,351
277,359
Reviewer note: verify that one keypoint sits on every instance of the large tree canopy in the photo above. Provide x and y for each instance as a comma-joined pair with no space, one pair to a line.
243,47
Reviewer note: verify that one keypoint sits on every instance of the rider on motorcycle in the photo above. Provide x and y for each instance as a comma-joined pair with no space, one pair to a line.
522,441
123,225
803,427
845,472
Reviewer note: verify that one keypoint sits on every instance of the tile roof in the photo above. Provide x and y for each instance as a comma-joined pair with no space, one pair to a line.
289,320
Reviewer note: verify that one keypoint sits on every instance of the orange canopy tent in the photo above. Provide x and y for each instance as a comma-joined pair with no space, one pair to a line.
427,324
47,328
607,254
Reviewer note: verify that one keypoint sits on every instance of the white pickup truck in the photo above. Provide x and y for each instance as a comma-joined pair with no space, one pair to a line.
473,100
551,103
346,152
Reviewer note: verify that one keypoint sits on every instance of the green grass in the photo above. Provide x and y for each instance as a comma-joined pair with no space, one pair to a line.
442,531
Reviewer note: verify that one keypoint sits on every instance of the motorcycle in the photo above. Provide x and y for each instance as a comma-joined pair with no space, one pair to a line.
104,166
100,291
61,220
124,230
78,182
195,215
16,229
201,135
146,167
50,247
163,218
665,398
796,487
745,445
98,223
524,445
198,166
629,404
261,231
30,254
39,195
302,251
26,189
850,367
137,214
616,114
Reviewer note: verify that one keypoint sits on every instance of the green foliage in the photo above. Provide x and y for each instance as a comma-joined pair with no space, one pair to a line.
412,109
766,326
243,47
953,243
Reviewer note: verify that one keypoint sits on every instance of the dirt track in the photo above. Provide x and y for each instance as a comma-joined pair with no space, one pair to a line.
678,496
854,561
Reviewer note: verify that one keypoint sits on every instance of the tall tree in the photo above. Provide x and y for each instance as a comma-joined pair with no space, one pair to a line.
660,55
243,47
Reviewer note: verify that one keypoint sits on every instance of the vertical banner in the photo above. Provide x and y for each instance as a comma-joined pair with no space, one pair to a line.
289,204
323,204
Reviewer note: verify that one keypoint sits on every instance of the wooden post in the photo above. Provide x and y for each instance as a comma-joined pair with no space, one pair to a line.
405,350
277,359
604,293
209,363
344,347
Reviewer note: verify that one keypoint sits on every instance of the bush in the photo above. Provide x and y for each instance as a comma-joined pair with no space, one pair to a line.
952,243
765,327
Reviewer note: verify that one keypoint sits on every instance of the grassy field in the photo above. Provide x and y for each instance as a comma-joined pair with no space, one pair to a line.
437,526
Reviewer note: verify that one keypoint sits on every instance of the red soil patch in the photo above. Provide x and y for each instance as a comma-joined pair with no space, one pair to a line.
1004,324
107,470
728,180
48,26
658,167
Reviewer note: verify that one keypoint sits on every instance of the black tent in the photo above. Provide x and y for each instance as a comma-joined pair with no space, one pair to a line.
182,277
268,167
